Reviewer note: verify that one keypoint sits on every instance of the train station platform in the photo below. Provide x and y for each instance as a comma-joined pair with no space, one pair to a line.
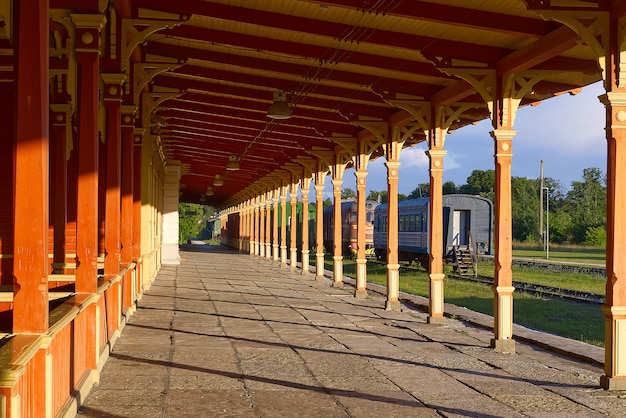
228,334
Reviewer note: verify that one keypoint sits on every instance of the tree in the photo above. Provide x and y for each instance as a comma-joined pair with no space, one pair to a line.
378,196
480,182
348,193
190,221
586,202
450,188
422,190
524,204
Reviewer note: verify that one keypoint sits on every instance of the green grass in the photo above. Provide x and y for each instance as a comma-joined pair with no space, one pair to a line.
571,254
577,321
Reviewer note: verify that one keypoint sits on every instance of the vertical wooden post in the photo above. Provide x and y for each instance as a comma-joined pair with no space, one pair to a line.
293,249
361,261
112,235
30,253
268,225
128,117
283,225
615,307
503,275
61,115
337,171
275,237
393,149
262,217
87,52
304,191
137,201
320,176
436,154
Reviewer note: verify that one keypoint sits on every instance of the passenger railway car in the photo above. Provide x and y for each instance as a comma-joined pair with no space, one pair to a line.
467,219
348,228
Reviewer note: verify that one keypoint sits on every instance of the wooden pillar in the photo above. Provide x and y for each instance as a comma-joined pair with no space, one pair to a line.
320,176
393,149
337,171
283,225
31,156
262,217
293,245
268,225
255,227
87,53
61,132
112,236
249,225
304,191
436,154
615,307
128,118
137,180
275,237
503,275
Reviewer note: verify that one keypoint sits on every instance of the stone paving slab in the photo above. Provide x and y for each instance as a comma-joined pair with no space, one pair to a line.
225,334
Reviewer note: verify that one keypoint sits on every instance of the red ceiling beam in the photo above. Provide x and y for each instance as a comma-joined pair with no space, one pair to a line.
450,15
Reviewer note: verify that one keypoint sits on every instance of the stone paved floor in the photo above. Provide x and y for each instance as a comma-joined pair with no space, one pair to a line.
225,334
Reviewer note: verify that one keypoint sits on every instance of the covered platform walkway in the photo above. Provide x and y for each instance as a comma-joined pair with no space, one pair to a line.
228,334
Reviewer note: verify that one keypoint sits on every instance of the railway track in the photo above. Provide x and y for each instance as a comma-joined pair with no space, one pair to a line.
543,291
535,289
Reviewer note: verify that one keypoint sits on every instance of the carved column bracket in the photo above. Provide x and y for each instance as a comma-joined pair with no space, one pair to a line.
136,31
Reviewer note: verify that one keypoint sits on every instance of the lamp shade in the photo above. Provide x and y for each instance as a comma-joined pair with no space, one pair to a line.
233,163
218,181
280,108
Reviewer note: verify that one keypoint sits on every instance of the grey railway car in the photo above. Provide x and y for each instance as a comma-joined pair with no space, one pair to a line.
465,218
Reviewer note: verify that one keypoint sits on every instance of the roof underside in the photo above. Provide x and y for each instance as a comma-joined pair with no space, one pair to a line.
339,62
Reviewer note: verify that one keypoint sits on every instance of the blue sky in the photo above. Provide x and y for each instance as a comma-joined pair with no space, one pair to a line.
566,132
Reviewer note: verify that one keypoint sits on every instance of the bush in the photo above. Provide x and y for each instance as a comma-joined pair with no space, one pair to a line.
595,236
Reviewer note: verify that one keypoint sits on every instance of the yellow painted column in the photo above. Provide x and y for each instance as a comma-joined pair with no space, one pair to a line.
255,228
304,191
337,250
262,218
268,225
283,226
293,248
615,307
436,276
503,275
275,238
361,261
250,226
393,267
319,227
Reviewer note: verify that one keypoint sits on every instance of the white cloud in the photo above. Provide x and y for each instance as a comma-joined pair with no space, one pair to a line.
414,157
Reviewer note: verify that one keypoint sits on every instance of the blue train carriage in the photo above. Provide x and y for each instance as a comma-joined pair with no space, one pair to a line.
467,219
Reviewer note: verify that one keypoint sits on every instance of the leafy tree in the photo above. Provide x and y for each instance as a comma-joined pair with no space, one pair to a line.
422,190
348,193
327,202
524,208
586,201
190,221
378,196
450,188
561,227
595,236
480,182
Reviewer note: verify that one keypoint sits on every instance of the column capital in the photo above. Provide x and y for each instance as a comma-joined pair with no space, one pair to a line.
503,134
88,28
113,86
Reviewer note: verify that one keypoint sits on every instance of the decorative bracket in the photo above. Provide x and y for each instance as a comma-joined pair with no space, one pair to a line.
136,31
144,72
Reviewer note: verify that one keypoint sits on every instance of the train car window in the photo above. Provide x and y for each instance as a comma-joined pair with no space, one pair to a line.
369,217
401,224
419,221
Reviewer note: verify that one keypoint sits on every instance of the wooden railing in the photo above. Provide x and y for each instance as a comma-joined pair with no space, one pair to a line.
83,328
